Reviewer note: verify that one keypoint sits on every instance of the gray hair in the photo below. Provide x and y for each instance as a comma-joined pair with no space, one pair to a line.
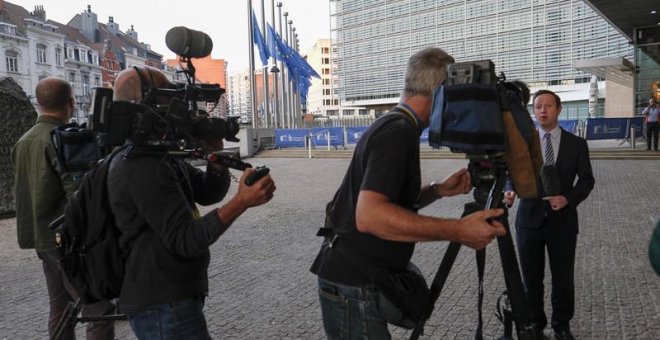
426,70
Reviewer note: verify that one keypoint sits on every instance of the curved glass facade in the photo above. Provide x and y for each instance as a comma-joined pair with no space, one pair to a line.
532,40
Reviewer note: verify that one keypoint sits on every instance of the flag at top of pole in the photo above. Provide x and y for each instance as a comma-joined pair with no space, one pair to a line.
259,41
298,67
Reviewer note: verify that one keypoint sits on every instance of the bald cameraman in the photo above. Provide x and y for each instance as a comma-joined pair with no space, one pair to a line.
164,238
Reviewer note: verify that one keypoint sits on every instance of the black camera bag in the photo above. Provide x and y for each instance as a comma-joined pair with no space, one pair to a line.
402,296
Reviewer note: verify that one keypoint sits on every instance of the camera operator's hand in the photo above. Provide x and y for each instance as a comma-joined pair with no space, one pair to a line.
256,194
476,231
509,198
246,197
556,202
457,183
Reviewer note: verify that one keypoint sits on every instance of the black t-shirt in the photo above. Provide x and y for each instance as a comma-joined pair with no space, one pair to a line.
386,160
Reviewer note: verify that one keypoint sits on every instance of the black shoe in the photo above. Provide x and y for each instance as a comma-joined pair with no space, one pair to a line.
564,334
538,330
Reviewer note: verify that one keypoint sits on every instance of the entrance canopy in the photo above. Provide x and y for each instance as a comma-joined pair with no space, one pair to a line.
617,69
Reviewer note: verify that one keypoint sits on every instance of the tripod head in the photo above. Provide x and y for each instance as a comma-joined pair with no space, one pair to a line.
485,170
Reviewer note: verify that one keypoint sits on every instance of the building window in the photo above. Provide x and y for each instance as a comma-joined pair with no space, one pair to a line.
12,61
326,70
326,92
326,61
85,83
72,80
83,55
326,81
7,29
97,81
58,57
41,54
362,112
69,53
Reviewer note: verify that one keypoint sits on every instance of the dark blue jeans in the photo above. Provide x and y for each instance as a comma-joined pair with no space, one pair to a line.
172,321
351,312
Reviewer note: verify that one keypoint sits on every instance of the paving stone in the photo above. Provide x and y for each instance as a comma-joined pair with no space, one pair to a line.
261,287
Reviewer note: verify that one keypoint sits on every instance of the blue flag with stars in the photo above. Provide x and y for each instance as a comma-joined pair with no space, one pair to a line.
259,41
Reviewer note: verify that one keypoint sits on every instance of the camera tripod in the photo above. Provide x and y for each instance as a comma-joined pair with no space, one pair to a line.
488,173
70,318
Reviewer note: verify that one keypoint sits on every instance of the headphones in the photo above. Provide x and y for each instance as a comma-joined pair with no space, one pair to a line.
147,86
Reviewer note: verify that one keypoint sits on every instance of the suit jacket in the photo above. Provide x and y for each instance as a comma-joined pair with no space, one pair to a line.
572,161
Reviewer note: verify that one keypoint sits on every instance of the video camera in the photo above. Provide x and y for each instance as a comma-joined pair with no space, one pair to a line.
466,114
484,116
165,117
177,125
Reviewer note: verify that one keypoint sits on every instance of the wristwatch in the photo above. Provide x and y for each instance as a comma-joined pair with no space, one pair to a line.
434,186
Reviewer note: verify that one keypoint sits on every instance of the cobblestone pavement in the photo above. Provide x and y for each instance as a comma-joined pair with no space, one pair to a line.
261,287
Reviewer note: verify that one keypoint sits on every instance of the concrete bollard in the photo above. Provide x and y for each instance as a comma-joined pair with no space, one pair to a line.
632,137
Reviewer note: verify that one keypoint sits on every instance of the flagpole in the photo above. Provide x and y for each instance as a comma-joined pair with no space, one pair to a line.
264,69
253,88
275,71
281,98
287,26
285,84
296,93
291,82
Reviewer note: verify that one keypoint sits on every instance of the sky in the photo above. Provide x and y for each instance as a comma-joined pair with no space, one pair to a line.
225,21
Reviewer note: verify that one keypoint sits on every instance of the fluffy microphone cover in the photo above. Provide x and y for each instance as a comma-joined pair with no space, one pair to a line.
523,160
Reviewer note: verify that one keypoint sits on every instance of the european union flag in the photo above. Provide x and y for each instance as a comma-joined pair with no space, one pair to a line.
259,40
271,38
281,51
298,67
306,67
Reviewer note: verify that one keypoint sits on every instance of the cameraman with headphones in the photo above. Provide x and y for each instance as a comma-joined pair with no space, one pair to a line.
164,239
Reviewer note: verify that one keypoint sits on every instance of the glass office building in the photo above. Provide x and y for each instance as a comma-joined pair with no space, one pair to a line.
536,41
647,60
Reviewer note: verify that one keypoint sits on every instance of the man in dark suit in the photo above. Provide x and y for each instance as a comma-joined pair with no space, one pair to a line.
551,222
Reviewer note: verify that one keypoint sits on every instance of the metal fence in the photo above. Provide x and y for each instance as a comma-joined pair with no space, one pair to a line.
347,131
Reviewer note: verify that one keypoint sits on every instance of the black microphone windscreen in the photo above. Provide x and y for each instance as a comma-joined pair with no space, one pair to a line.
188,43
550,180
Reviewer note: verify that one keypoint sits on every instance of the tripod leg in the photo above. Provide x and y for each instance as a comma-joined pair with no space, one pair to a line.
513,281
510,268
68,319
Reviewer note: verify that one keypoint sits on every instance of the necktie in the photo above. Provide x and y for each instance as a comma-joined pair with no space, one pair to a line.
549,153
